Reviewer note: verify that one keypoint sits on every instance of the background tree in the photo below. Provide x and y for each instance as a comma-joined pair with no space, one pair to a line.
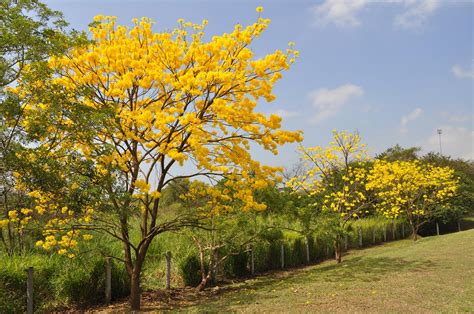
462,203
399,153
411,189
336,176
29,33
139,104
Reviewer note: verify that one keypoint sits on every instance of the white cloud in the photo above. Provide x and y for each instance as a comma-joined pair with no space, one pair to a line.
415,114
344,13
455,141
462,73
417,12
328,102
340,12
285,114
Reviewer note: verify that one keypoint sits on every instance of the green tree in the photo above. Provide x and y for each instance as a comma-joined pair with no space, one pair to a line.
29,33
399,153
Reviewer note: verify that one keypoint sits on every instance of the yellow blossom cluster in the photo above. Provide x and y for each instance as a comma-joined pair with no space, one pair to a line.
230,196
55,220
174,94
410,188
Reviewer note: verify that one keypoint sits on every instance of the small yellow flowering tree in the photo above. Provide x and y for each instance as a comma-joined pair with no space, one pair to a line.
139,104
410,189
336,177
226,222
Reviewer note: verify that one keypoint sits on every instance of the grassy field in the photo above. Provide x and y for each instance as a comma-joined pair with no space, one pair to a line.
435,274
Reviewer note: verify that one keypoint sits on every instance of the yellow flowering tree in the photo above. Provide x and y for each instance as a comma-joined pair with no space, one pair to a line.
335,176
410,189
140,104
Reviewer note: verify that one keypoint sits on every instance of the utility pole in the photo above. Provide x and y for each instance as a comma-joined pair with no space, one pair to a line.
439,133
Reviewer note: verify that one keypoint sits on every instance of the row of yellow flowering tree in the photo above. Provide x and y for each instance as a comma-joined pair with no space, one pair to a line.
343,180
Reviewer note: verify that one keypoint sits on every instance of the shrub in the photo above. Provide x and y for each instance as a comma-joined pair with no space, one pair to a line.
191,270
83,282
236,265
261,250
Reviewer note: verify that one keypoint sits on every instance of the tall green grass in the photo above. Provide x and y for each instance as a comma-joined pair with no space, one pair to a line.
59,282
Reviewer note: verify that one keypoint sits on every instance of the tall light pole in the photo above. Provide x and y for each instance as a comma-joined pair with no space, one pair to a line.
439,133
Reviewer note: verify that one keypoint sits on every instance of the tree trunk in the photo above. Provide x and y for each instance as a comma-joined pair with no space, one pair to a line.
135,294
414,232
135,271
204,282
338,251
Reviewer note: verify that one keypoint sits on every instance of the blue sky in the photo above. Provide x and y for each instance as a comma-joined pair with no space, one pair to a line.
396,70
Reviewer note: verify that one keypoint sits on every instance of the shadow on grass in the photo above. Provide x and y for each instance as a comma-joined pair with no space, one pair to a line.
362,269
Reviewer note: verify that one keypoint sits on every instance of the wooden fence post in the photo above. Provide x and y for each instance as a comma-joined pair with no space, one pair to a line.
108,280
29,291
252,259
307,250
282,248
437,228
360,237
168,270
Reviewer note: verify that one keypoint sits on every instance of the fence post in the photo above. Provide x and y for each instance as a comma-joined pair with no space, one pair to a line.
459,225
437,228
282,248
108,280
360,237
29,291
252,260
307,250
385,233
168,270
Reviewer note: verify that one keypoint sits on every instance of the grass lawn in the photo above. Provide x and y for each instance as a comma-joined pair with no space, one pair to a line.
435,274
